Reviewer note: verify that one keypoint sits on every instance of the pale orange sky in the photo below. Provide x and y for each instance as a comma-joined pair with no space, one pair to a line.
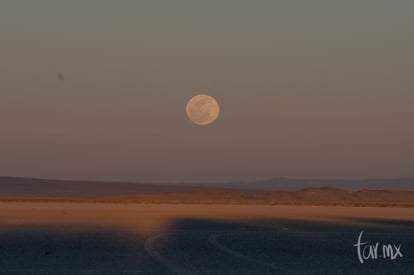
321,89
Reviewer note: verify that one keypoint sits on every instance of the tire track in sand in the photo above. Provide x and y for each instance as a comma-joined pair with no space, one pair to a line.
153,252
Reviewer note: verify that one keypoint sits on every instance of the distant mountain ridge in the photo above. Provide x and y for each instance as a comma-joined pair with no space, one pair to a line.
287,184
31,187
47,188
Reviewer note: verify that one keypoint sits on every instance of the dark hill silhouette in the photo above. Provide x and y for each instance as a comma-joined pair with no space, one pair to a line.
43,189
29,187
286,184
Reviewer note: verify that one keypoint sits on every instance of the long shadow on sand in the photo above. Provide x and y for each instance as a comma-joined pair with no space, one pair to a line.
284,246
196,246
60,250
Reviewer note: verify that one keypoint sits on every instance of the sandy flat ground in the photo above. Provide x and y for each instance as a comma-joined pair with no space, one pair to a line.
105,238
146,216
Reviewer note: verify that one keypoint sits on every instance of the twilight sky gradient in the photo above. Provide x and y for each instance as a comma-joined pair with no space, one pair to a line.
321,89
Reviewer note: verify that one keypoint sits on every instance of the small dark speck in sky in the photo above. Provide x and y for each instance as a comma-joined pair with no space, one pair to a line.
60,76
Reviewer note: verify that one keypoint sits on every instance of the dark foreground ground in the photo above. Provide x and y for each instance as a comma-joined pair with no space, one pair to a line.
276,243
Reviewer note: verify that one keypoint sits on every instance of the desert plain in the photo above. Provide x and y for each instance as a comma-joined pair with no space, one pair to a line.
130,238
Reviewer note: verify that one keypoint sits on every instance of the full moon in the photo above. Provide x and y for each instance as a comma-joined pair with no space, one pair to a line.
202,109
